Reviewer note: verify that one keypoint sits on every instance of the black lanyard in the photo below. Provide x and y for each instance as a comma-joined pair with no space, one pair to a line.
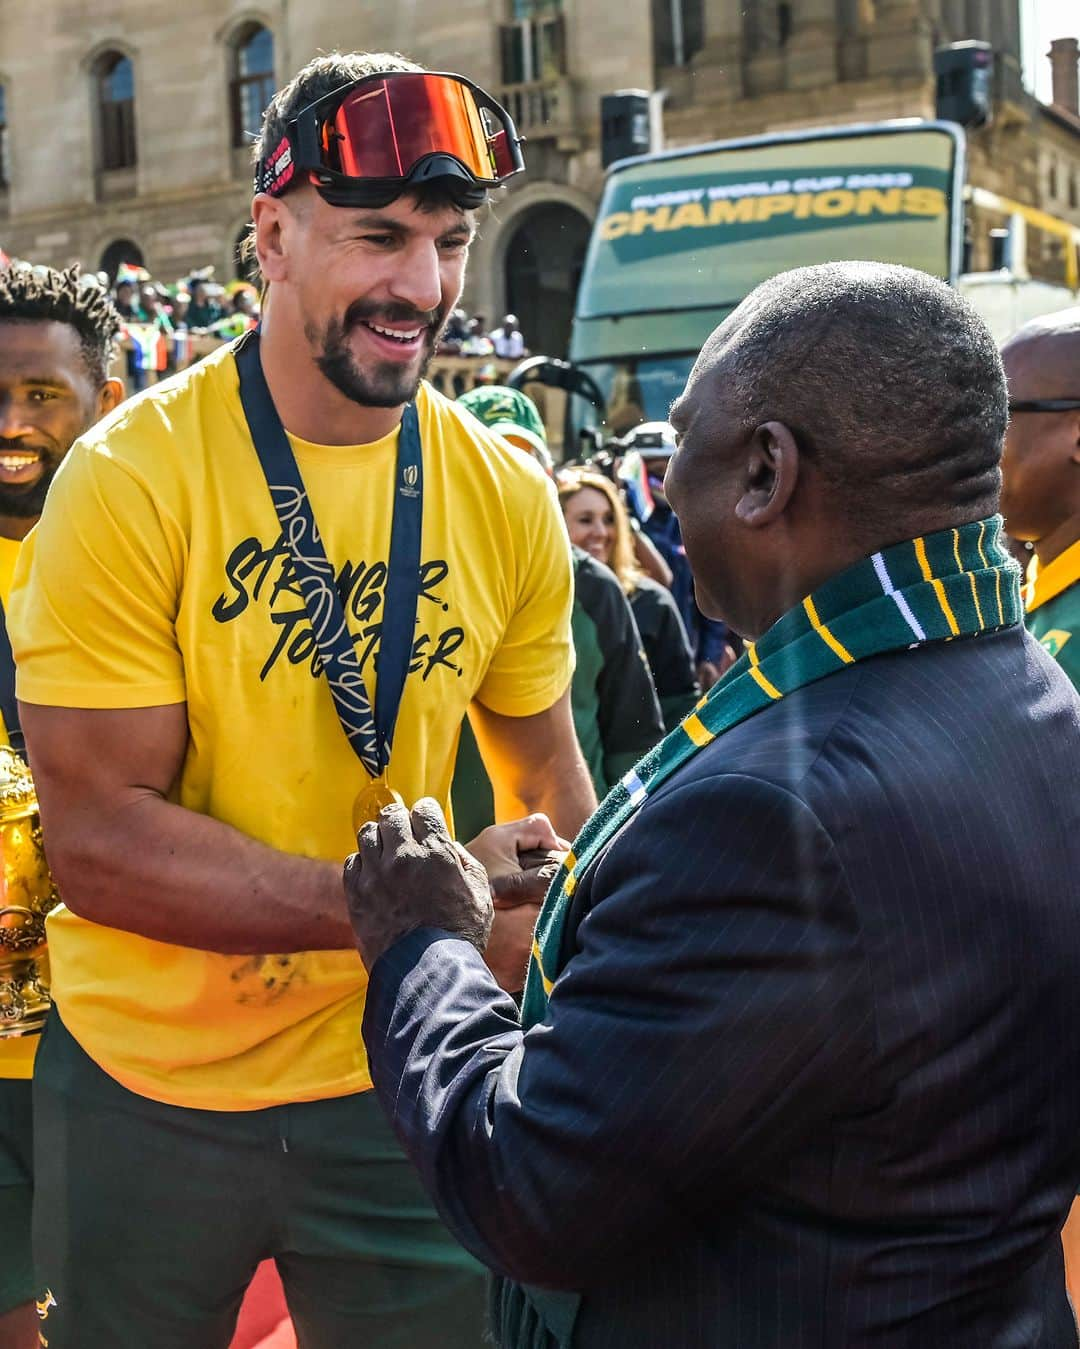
370,732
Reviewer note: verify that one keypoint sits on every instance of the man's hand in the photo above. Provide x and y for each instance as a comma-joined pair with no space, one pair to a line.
518,897
520,858
408,873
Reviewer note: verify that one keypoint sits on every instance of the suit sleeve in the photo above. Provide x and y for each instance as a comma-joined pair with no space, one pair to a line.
715,1013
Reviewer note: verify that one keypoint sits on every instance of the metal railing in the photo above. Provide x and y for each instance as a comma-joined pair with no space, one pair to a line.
540,107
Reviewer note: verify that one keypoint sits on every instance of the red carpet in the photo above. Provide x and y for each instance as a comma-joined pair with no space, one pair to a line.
264,1319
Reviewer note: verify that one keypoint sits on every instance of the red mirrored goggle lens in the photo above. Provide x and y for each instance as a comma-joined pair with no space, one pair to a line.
384,128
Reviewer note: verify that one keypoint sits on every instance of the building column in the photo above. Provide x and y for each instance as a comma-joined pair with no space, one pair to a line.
810,51
954,20
902,41
978,20
723,51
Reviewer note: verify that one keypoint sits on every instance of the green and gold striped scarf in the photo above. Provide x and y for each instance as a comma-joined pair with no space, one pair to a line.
956,583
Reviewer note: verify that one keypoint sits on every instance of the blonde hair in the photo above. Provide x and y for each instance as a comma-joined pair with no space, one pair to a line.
623,560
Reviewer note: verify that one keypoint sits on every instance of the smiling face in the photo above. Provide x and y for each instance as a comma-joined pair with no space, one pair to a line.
47,400
370,288
590,522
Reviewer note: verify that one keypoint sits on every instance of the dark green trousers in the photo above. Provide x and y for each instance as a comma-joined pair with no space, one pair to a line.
149,1220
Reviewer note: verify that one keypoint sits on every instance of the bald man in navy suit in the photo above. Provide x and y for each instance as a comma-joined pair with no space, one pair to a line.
805,1073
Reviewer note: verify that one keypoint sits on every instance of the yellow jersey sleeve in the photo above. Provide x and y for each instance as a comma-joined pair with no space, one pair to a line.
532,667
96,590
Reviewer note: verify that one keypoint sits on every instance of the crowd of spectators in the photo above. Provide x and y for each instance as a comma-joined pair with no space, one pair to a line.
465,336
645,652
198,306
160,320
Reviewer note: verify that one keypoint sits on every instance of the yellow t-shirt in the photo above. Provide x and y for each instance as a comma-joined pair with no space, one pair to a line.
157,575
16,1051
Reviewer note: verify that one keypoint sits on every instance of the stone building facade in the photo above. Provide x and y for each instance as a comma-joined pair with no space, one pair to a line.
123,122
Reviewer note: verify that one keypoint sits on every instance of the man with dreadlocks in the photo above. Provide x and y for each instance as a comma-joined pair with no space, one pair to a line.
57,335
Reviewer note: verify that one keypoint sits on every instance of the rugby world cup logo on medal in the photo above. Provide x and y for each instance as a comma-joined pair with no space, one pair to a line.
410,477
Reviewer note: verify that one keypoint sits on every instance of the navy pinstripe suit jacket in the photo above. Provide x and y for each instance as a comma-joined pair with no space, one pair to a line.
812,1076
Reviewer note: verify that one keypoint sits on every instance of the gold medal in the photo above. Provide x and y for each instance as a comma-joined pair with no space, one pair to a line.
371,799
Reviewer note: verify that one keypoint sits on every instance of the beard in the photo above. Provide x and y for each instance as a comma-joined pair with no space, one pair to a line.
382,384
27,502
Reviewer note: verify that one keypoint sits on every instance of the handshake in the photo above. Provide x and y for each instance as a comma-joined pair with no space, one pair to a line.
408,873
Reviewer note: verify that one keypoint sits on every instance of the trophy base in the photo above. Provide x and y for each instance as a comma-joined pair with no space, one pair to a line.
24,996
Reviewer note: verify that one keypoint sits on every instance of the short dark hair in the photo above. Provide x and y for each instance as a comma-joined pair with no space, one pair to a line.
38,292
889,379
321,76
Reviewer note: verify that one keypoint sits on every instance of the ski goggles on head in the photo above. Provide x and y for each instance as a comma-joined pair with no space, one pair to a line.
366,143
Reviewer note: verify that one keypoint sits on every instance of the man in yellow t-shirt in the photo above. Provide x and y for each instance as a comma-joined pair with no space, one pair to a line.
57,337
206,729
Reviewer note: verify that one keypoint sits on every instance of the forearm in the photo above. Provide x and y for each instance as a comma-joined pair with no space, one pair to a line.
535,765
156,869
563,792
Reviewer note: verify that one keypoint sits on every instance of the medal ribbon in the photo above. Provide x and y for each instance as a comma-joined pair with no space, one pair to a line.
369,729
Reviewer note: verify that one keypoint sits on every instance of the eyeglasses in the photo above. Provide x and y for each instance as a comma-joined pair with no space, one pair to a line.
1044,404
365,143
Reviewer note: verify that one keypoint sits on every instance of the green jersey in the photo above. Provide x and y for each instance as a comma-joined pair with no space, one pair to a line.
1054,610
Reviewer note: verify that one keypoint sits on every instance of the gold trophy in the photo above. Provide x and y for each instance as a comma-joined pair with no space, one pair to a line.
27,897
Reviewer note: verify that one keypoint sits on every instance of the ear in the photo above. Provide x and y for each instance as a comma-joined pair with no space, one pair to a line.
272,218
772,470
111,396
1076,441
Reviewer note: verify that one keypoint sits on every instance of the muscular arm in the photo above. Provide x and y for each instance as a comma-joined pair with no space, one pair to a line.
535,765
125,856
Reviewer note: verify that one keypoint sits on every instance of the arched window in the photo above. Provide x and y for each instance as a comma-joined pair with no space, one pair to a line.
117,253
116,111
544,259
4,170
252,85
